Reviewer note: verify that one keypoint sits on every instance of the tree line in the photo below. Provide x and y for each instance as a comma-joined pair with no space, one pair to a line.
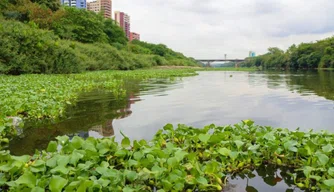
41,36
312,55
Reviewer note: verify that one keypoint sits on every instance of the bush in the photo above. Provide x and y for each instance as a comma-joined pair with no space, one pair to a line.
25,49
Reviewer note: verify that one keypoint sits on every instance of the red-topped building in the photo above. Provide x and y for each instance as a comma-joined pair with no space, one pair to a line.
123,21
134,36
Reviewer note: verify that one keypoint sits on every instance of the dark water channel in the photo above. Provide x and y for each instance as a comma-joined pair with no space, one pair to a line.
288,100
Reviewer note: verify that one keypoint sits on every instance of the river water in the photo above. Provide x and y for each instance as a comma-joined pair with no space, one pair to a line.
286,100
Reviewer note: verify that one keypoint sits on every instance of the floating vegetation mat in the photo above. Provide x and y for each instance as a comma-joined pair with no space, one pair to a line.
181,159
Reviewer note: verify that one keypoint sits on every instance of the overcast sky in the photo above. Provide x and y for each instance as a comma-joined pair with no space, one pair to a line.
207,29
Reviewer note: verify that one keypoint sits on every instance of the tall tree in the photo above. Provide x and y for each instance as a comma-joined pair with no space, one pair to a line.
114,32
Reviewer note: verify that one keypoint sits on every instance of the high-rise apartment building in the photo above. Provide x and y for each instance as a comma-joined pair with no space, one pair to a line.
252,54
82,4
123,21
98,6
134,36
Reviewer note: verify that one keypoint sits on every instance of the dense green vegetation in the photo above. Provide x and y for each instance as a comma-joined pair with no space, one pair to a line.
179,159
304,56
41,37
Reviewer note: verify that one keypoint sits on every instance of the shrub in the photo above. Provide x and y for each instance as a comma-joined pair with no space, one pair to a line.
25,49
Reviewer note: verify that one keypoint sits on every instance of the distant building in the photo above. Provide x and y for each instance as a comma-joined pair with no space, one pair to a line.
123,21
251,54
98,6
82,4
134,36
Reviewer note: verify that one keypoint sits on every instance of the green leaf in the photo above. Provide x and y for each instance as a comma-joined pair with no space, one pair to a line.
331,171
291,146
84,185
180,155
75,157
121,153
126,142
172,162
329,183
253,148
269,136
23,159
234,155
28,179
37,189
167,185
202,180
60,169
128,189
248,122
103,182
52,162
239,143
328,148
77,142
323,159
138,155
62,139
52,147
63,160
130,175
57,184
204,137
168,127
38,166
307,170
106,172
224,151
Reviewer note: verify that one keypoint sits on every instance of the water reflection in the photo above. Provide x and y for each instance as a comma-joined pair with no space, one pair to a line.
87,117
269,98
265,178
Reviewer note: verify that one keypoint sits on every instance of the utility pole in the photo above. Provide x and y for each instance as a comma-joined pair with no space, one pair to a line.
225,56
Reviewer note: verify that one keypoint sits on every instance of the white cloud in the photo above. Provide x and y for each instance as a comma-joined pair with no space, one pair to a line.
211,28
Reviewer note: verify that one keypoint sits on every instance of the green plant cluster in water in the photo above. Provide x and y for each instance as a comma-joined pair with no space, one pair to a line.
182,159
47,96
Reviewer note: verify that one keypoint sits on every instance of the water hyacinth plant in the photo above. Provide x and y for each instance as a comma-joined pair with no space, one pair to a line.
182,159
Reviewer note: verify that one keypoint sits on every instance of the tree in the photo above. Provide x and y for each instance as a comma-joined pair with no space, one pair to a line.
54,5
114,33
80,25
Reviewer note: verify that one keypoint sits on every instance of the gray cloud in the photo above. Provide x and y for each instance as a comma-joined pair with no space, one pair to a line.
211,28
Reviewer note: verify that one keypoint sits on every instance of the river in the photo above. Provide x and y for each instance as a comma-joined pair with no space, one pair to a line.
288,100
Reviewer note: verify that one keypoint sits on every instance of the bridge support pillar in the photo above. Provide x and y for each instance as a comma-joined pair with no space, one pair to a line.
208,64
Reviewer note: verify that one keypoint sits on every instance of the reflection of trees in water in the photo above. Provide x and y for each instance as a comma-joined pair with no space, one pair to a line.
94,110
106,129
268,176
319,82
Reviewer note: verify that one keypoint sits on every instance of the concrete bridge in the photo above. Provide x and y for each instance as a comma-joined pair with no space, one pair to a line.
208,62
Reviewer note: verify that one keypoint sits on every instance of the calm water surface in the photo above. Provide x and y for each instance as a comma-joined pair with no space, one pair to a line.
288,100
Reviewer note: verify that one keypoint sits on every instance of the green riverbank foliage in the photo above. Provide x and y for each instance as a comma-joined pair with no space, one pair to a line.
41,37
182,159
304,56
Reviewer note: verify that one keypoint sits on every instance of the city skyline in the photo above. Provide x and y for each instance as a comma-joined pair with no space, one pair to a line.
218,27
